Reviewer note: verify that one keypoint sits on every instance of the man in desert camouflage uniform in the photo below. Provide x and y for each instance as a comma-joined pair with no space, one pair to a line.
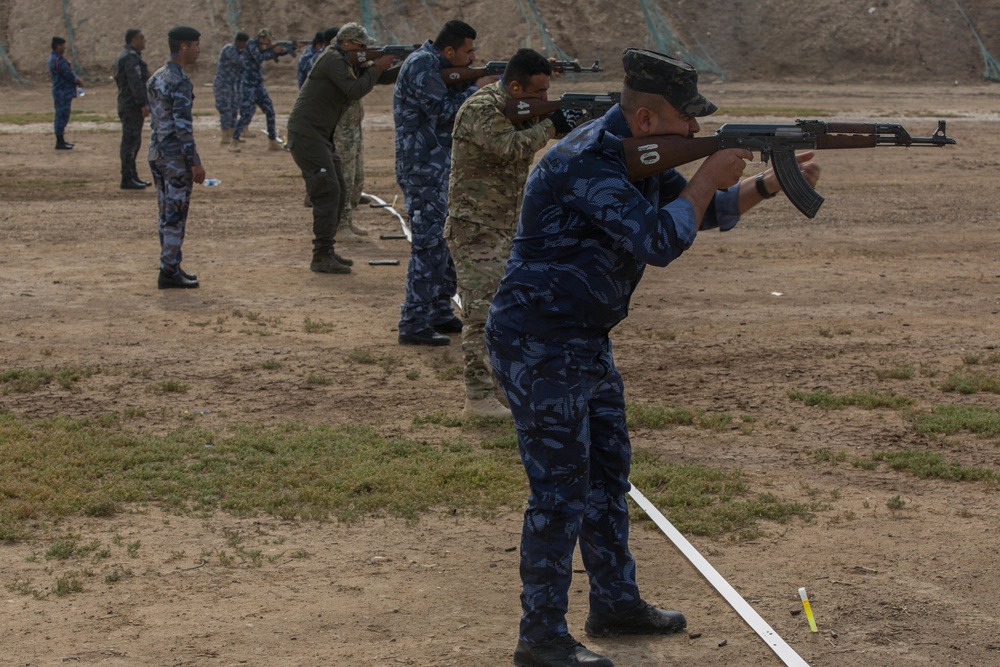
350,146
173,157
489,163
226,86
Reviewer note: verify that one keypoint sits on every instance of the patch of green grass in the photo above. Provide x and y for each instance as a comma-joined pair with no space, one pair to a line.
895,373
638,415
316,378
23,381
291,471
868,400
272,364
966,382
826,456
317,327
364,355
169,387
951,419
707,501
927,464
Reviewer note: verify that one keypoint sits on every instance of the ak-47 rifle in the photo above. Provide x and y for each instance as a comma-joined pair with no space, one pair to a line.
595,104
400,51
456,75
290,46
645,156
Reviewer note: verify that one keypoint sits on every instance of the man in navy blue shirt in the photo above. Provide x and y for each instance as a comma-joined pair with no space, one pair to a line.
585,236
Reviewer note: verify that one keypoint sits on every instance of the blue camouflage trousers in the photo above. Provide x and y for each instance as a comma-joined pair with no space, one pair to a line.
63,105
227,103
252,98
430,274
172,179
568,404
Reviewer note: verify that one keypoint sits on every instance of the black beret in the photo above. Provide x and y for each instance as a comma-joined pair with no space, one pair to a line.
183,33
242,37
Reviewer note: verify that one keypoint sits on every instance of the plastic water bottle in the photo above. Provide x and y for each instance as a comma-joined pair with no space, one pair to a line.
211,182
79,91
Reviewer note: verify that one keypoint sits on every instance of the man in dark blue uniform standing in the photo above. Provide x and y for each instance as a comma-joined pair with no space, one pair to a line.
585,236
64,86
131,73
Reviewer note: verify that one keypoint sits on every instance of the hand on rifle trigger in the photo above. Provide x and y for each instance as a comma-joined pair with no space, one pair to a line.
198,174
725,168
565,120
384,62
487,80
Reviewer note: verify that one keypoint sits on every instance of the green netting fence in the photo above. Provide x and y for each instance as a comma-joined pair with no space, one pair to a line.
9,66
662,38
991,71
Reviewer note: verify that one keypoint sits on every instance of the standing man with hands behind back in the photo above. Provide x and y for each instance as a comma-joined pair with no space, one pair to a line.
423,109
584,239
131,74
173,158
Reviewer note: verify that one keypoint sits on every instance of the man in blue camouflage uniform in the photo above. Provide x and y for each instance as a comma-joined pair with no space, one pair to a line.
173,157
64,85
585,236
226,85
130,74
253,93
424,109
307,56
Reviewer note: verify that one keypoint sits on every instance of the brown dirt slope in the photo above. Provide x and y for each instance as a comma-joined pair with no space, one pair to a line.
849,41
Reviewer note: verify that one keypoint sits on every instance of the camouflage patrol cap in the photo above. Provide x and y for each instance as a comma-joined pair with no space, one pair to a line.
677,81
354,32
265,32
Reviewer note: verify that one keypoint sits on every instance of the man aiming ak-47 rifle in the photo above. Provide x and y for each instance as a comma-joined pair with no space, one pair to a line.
585,236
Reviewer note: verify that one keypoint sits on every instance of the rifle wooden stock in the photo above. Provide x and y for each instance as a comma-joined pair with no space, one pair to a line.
521,110
647,156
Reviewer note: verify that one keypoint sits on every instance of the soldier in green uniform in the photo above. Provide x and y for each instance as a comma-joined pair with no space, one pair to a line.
330,87
490,158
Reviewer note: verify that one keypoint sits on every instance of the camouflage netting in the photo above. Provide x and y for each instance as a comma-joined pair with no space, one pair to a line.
897,41
992,67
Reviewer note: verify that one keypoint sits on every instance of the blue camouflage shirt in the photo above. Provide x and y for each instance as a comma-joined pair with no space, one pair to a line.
253,71
306,61
228,71
171,96
586,235
64,81
424,109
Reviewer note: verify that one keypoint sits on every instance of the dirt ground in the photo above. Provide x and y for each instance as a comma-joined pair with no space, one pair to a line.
900,267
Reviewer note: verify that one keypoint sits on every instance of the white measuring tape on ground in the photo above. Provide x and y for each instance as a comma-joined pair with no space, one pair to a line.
406,228
735,600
